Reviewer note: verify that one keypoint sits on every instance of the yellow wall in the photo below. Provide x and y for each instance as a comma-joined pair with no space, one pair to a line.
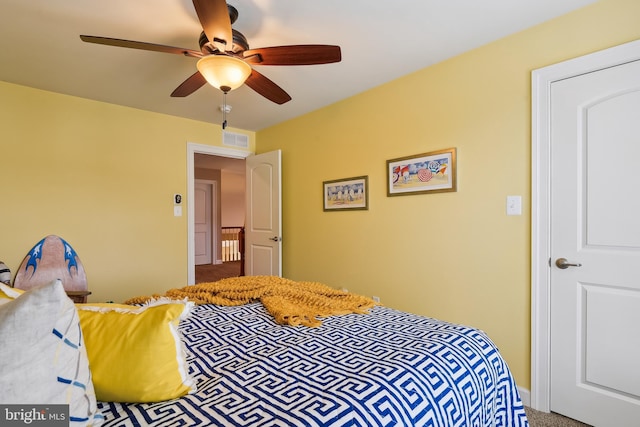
454,256
102,177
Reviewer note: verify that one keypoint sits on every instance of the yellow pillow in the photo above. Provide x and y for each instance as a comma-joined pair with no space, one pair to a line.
135,352
7,293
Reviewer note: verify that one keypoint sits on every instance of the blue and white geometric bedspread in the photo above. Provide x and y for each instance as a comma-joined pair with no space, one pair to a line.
388,368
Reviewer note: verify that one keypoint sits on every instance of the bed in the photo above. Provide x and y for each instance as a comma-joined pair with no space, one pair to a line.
386,368
190,362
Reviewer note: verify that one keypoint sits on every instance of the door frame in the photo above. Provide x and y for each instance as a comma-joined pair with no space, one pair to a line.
193,149
541,81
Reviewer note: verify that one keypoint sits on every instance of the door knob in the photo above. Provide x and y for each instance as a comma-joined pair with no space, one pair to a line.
275,239
564,264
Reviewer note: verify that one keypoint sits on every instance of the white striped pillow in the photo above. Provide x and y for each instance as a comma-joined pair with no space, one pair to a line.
44,360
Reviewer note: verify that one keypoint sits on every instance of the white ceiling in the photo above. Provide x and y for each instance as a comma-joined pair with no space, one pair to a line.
380,41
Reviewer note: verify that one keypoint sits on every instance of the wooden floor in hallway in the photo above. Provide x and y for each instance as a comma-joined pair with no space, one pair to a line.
213,272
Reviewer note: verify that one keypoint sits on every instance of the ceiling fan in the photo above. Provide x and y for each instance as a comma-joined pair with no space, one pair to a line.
225,51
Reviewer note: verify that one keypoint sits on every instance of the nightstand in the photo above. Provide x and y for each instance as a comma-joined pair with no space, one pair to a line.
78,296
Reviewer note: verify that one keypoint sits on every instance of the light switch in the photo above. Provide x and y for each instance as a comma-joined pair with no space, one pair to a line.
514,205
177,211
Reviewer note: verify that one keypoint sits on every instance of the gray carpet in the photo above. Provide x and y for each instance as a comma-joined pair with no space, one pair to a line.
542,419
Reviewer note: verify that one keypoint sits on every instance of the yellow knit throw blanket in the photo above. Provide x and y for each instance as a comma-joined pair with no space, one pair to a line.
289,302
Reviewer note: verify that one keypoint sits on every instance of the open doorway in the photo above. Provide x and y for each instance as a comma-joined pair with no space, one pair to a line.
224,170
219,216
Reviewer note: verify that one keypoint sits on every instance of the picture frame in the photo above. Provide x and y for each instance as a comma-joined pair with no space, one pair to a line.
346,194
432,172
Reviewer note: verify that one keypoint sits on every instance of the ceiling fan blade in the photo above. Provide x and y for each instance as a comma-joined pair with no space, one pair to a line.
187,87
141,45
215,21
293,55
267,88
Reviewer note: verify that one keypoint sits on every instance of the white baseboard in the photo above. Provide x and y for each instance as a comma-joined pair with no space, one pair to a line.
525,395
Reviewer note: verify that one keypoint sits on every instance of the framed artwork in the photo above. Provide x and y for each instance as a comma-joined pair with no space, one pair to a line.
346,194
433,172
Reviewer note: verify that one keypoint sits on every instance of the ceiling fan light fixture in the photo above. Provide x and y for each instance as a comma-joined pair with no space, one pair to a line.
224,72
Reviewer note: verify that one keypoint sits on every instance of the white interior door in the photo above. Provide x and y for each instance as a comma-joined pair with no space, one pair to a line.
595,225
263,229
203,228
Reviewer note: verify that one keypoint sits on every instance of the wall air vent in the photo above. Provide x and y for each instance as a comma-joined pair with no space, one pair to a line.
235,139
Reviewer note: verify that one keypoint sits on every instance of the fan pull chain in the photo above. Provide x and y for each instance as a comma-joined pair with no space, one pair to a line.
224,110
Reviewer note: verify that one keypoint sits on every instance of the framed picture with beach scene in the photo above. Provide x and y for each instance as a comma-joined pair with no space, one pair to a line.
346,194
433,172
